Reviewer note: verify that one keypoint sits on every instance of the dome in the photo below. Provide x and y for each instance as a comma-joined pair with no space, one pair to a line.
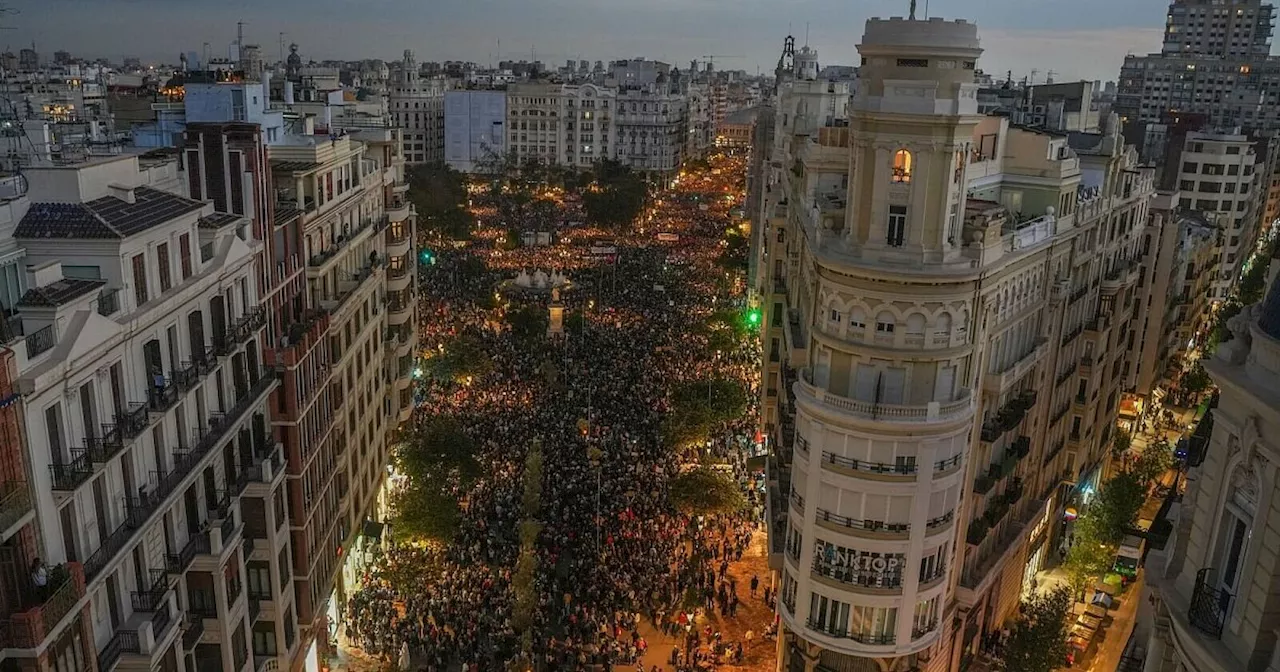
1269,313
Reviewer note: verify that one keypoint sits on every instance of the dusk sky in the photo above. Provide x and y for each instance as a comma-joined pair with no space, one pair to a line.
1079,39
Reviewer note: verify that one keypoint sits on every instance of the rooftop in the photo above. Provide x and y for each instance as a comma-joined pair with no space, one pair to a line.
284,166
106,217
61,292
218,220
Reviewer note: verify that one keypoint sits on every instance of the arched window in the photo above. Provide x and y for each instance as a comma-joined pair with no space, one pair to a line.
902,166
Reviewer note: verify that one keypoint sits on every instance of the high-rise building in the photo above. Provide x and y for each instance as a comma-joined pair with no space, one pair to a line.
1214,62
1211,584
947,309
1236,28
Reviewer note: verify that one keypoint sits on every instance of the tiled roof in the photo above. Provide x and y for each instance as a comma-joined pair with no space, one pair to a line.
106,217
58,293
284,215
218,220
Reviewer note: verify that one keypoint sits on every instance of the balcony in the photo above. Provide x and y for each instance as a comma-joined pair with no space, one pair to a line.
935,411
319,262
1209,606
876,528
153,598
999,383
180,562
906,469
398,209
163,484
349,284
67,477
1008,417
860,637
1079,293
15,503
10,327
40,342
1072,335
109,302
29,628
397,241
136,638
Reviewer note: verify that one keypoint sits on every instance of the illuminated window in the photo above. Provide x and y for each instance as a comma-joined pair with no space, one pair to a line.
902,166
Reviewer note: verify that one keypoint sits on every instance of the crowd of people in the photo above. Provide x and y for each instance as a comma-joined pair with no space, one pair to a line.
615,559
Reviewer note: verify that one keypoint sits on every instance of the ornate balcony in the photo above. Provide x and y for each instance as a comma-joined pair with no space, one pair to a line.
1209,606
65,587
15,502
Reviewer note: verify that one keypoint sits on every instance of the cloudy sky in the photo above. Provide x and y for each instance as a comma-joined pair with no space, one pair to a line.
1076,38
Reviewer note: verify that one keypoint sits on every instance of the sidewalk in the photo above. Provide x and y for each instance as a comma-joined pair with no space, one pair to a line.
753,614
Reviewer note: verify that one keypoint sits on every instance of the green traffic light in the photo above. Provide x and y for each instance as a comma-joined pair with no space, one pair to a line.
754,317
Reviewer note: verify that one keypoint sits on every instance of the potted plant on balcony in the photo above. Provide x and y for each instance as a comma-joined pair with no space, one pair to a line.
977,531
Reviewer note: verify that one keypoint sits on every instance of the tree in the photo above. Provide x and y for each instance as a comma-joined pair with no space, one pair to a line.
1114,509
698,406
440,195
1155,459
617,197
462,358
1253,285
1038,640
1121,442
437,452
424,513
1194,382
1220,332
1087,560
736,249
705,491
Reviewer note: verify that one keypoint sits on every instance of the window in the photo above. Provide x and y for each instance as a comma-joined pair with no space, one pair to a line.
828,615
1233,169
902,166
835,316
140,278
896,231
264,643
53,427
884,327
913,62
162,252
1189,166
184,249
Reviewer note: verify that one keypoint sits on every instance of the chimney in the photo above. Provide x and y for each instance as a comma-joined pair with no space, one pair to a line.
122,192
288,92
309,124
45,274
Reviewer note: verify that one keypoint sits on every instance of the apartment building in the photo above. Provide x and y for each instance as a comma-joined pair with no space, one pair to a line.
1223,175
416,105
1179,248
1236,28
344,350
145,397
1215,61
578,125
947,308
1211,583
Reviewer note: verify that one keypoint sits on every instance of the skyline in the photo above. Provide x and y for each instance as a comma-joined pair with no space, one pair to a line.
1087,39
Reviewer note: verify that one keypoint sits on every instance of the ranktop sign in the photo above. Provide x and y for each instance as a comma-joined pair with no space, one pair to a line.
837,556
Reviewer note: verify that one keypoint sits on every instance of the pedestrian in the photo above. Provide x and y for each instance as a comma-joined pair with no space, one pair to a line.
755,583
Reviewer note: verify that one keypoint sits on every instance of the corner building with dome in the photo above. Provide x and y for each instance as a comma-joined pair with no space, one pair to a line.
948,318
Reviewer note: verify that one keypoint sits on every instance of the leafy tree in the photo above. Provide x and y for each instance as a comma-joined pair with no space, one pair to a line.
1195,381
706,491
1120,442
1155,459
1253,285
617,197
1221,333
440,195
463,357
1114,509
1038,640
438,452
736,249
1086,560
420,512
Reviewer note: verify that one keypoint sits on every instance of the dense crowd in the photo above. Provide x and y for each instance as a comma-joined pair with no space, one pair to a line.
613,553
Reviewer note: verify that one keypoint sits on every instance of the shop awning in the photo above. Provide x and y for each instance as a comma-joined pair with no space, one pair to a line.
372,529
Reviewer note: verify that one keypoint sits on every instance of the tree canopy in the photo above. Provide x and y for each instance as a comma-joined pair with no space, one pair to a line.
438,460
1038,639
706,491
698,406
528,323
440,195
617,198
463,357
